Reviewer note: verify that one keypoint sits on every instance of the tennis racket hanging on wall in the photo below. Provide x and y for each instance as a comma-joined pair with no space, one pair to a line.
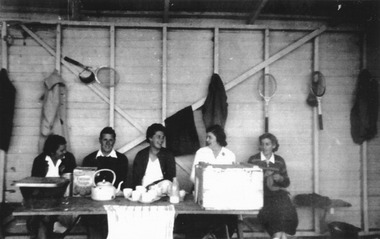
318,89
267,88
104,75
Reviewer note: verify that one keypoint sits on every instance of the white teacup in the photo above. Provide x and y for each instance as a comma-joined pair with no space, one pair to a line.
146,197
140,188
127,192
136,195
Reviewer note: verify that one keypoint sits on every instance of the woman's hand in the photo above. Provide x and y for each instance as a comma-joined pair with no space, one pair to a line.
277,177
268,173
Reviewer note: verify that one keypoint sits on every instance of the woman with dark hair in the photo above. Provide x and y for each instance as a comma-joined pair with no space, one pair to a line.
215,151
210,226
54,161
278,216
154,163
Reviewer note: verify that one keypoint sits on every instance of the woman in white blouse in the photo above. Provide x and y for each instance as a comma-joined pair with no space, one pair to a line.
215,151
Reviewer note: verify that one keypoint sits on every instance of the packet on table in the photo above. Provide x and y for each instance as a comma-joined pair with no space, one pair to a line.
83,180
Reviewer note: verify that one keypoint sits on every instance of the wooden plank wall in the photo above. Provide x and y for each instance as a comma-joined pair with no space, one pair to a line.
190,63
372,62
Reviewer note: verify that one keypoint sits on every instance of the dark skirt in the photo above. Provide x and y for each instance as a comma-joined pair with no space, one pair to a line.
279,214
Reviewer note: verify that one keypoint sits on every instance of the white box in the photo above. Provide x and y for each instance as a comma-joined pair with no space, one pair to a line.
229,187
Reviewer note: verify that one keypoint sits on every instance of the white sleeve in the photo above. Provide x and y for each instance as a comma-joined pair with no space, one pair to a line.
195,162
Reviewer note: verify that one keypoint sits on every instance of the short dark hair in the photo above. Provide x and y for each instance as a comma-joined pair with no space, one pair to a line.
219,133
52,143
107,130
153,129
272,138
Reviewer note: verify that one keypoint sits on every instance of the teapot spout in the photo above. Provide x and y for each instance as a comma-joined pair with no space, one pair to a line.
119,187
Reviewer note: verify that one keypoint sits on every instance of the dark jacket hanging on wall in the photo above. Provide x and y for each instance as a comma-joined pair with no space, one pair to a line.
215,108
364,112
7,106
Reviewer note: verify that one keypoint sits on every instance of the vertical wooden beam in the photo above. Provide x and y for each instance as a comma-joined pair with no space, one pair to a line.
363,155
164,71
216,50
4,60
112,89
58,56
316,138
166,11
58,49
266,49
74,9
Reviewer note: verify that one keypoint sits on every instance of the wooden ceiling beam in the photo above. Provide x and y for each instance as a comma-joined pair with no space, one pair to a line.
256,11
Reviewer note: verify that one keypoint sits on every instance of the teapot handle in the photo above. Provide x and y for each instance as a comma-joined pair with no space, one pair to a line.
105,169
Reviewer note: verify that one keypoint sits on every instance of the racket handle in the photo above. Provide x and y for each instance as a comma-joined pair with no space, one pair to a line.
266,125
74,62
320,121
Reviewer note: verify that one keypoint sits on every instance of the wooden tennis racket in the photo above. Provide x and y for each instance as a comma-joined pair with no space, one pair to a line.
267,88
318,89
104,75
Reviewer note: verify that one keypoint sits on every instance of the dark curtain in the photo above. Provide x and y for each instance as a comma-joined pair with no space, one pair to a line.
7,106
181,134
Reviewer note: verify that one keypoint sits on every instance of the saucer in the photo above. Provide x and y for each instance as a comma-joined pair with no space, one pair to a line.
131,199
150,201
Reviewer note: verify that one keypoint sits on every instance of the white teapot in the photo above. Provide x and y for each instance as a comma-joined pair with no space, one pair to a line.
105,191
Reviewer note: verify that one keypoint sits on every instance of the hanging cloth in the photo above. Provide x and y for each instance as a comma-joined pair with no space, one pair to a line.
7,107
140,222
181,133
54,111
215,108
364,112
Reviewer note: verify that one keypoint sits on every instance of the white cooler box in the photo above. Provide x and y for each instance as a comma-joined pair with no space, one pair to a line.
229,187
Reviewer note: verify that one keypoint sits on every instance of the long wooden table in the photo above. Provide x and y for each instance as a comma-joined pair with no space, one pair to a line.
78,206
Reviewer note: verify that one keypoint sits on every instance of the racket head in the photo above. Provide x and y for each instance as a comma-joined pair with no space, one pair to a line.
267,86
107,76
87,76
318,84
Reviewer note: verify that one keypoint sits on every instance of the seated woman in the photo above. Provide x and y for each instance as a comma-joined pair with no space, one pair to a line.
215,151
278,216
54,161
209,226
154,163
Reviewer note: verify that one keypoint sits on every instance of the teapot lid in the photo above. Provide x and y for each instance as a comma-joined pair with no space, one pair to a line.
104,183
104,177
